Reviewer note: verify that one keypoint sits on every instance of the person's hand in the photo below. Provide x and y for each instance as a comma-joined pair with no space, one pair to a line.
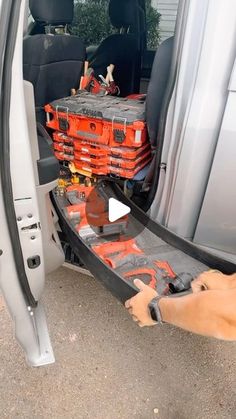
213,280
138,305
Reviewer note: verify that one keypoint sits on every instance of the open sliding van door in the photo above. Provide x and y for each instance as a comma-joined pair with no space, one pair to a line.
29,244
196,195
27,227
217,222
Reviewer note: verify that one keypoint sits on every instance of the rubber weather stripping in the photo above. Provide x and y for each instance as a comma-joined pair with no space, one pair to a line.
9,18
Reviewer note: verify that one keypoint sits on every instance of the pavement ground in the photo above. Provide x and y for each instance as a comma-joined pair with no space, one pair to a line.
108,368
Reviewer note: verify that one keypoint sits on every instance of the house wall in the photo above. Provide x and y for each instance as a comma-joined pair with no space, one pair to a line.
168,11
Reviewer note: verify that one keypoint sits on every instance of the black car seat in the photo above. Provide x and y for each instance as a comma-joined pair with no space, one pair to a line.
52,63
157,88
154,104
123,49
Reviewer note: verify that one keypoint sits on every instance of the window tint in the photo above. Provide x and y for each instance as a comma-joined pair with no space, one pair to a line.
91,21
92,24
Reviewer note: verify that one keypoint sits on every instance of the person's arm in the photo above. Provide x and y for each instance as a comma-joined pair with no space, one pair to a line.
210,313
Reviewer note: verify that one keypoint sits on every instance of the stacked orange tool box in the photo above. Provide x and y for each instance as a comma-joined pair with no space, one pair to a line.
101,135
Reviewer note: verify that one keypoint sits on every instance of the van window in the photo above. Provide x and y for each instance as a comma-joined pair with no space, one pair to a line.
160,21
167,11
152,23
91,21
92,24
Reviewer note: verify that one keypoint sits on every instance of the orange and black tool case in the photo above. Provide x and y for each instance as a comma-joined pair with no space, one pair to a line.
101,134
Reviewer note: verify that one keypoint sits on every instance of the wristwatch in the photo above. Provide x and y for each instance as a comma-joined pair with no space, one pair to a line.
154,304
155,309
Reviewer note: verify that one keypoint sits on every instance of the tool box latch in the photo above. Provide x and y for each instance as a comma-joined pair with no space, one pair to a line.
119,133
63,122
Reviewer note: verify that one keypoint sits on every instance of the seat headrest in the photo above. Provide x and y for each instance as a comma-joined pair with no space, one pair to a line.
122,13
52,12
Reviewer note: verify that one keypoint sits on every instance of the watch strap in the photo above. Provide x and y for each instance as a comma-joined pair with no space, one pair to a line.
155,309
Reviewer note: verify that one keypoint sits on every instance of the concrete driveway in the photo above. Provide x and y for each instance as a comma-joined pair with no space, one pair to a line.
108,368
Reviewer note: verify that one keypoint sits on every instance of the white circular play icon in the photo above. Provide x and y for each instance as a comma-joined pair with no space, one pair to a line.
117,210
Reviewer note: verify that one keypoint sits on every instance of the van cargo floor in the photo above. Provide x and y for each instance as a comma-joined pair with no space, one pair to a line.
118,272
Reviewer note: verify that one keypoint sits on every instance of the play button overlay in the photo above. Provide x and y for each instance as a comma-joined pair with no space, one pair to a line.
117,210
96,213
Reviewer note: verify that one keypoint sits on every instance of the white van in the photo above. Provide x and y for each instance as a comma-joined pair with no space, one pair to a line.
181,210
